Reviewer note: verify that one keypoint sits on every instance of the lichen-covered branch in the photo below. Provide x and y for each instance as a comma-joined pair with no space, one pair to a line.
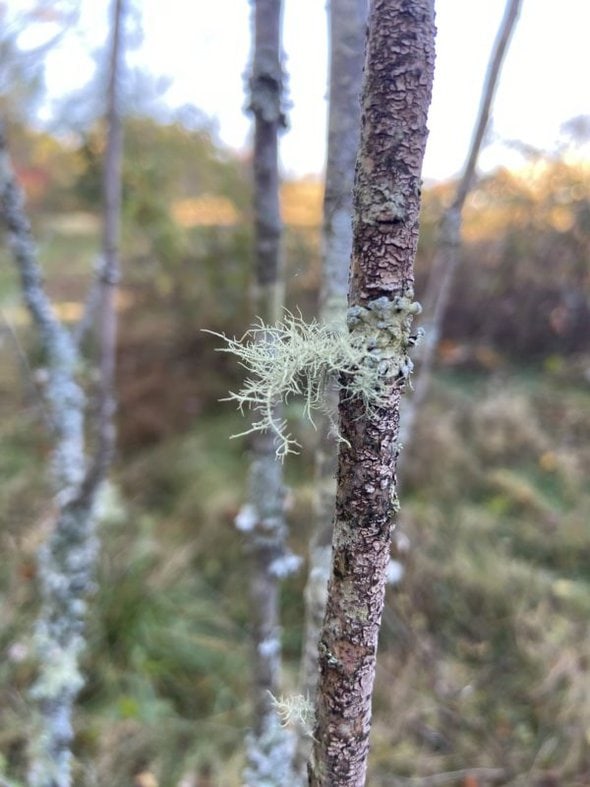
399,68
438,289
269,746
64,397
66,561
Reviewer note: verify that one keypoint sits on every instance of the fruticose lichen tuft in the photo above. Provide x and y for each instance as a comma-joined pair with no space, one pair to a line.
365,357
295,711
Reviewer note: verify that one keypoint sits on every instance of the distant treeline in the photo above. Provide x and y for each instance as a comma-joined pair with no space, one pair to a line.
523,287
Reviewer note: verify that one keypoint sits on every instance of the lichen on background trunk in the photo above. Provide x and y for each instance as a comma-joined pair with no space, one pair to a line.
268,746
66,561
398,80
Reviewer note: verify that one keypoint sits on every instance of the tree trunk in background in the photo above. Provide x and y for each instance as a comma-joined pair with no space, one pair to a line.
347,23
398,79
110,272
67,560
269,746
437,295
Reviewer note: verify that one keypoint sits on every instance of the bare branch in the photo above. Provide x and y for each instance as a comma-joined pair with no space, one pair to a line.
438,289
489,89
91,306
109,272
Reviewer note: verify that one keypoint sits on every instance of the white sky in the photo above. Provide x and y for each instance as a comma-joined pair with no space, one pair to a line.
203,46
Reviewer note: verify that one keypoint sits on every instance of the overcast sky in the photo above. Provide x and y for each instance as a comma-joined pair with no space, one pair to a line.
203,47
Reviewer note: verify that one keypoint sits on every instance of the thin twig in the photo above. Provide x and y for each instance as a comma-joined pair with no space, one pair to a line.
438,289
86,321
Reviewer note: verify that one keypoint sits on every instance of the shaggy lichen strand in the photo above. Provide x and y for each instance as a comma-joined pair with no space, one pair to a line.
296,711
368,355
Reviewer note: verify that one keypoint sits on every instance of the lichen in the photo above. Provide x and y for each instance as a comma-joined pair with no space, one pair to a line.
296,711
366,357
380,203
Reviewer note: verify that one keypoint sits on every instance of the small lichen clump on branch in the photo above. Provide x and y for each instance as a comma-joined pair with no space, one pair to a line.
367,357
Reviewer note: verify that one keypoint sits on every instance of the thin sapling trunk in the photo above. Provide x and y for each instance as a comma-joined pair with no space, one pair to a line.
261,519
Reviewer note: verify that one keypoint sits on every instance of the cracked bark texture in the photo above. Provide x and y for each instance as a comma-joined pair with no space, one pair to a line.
438,289
269,747
347,27
66,561
399,68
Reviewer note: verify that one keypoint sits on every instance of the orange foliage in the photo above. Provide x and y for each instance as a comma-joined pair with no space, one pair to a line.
541,194
301,203
205,211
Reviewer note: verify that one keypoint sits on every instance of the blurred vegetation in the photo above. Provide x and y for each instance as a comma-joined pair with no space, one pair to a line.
485,649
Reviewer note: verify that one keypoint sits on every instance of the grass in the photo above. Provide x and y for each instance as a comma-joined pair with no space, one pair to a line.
483,655
481,661
496,596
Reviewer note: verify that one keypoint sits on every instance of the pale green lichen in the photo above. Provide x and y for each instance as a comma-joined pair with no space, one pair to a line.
379,203
367,357
296,711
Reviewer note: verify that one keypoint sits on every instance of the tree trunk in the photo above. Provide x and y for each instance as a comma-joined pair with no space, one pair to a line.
269,746
110,272
398,79
66,560
347,20
438,290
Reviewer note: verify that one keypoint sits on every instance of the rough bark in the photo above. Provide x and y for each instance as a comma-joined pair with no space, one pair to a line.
269,746
398,79
438,290
347,25
66,561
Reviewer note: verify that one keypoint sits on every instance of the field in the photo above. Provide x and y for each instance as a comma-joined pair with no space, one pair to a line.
485,648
